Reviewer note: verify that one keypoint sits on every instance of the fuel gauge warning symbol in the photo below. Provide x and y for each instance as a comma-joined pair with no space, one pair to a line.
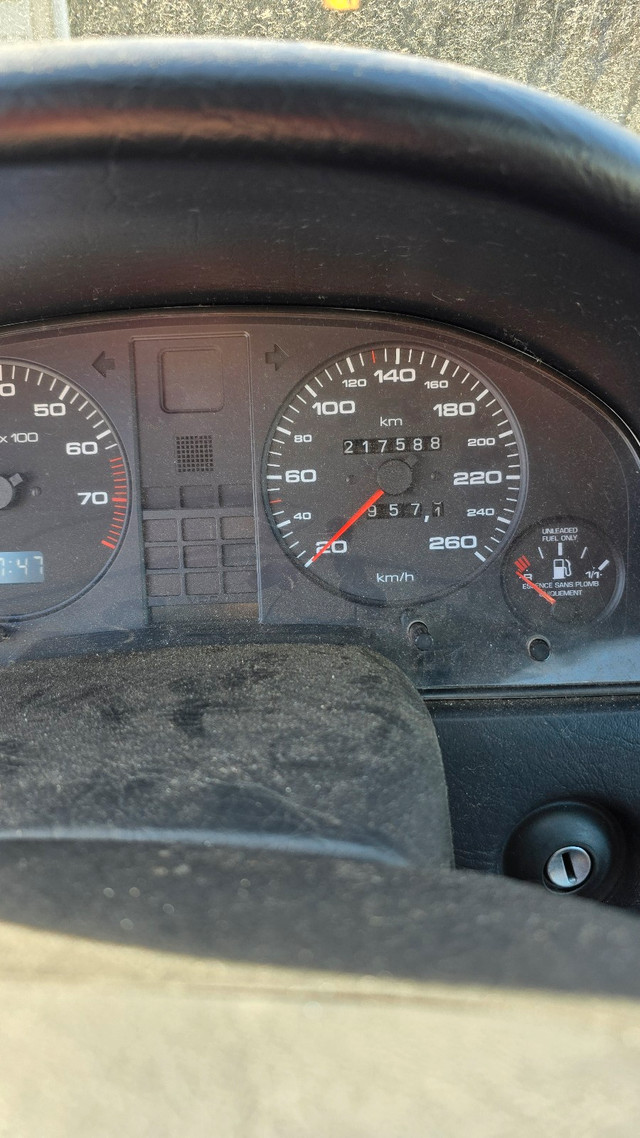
562,571
561,568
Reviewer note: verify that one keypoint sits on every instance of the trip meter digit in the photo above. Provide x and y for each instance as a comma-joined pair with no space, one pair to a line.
394,474
64,490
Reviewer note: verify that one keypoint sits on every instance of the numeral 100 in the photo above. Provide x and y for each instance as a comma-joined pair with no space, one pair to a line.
331,407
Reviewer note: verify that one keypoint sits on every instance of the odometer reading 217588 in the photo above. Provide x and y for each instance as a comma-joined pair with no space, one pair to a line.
394,474
64,490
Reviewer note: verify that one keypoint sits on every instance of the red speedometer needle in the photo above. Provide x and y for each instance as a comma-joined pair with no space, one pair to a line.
347,525
532,585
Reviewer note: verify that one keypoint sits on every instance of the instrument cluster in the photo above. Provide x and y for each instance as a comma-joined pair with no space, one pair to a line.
269,474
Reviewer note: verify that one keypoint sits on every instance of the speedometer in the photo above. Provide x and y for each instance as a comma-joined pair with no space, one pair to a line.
64,490
394,473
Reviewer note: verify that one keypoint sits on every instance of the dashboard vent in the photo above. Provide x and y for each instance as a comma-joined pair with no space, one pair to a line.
194,454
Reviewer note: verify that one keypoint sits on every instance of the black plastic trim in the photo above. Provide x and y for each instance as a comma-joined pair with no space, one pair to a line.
148,96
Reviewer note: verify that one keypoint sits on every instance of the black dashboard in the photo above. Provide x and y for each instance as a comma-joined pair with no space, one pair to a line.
319,589
394,483
394,300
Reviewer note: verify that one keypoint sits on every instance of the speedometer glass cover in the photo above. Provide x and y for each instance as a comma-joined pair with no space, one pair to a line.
418,481
394,473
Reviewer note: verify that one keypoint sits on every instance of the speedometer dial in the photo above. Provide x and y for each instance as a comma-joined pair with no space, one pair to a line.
394,474
64,490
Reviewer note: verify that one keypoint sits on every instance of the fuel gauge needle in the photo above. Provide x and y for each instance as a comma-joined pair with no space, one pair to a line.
532,585
347,525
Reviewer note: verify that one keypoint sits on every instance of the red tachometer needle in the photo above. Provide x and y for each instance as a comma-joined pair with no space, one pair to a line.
532,585
347,525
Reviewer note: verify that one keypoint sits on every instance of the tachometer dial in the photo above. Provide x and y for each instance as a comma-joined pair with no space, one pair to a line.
64,490
394,474
562,571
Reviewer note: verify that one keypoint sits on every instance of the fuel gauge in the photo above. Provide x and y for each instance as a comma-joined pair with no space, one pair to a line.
562,571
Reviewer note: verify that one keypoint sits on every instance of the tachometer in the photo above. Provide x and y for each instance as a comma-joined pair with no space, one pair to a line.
64,490
394,474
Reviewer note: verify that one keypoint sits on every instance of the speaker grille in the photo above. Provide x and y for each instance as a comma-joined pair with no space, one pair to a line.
194,454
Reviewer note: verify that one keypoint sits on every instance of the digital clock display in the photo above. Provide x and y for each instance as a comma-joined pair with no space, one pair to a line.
21,567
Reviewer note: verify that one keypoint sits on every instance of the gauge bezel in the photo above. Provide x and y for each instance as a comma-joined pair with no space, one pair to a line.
422,344
545,627
35,614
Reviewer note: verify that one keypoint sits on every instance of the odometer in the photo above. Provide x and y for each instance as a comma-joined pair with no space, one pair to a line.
64,490
407,437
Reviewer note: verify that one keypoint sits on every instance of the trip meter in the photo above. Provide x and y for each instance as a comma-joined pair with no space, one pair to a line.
394,473
64,490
